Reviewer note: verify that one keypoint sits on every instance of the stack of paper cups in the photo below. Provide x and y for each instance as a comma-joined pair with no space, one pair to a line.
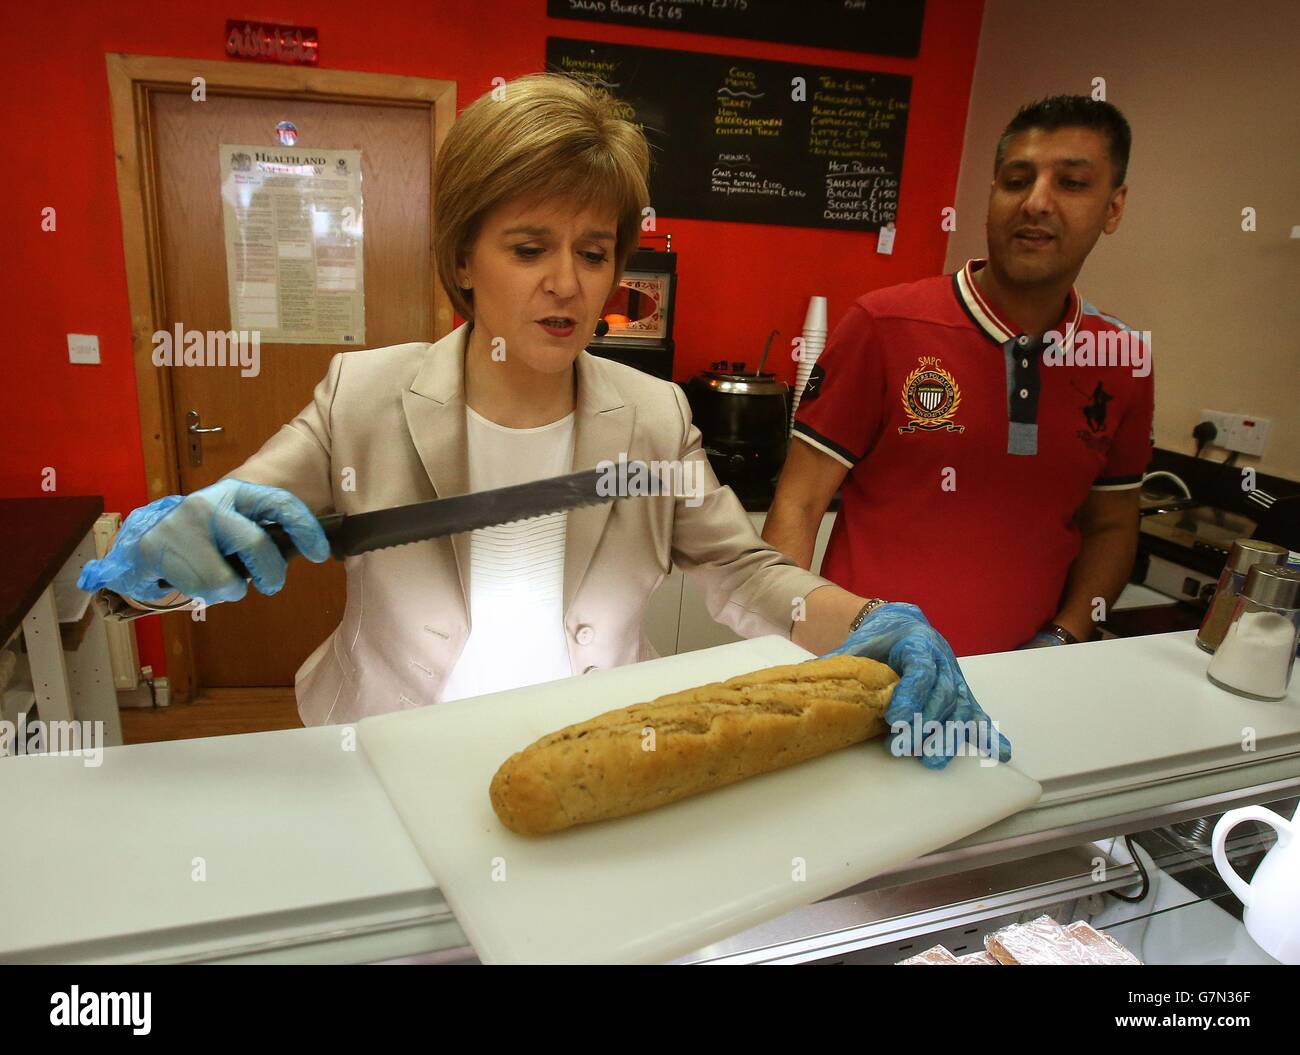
814,340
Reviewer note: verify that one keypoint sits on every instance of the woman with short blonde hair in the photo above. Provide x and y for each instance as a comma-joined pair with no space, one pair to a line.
544,135
539,198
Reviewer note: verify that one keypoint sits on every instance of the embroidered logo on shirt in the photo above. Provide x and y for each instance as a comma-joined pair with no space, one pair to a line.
813,388
1094,415
930,397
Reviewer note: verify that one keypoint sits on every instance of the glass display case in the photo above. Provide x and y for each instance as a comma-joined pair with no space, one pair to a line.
1145,877
1152,886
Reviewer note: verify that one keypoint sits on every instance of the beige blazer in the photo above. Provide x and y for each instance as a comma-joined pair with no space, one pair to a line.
387,427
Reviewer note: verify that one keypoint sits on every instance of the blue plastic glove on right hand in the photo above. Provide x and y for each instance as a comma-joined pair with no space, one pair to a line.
930,685
182,539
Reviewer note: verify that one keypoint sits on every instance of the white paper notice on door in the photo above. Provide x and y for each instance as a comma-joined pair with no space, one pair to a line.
294,239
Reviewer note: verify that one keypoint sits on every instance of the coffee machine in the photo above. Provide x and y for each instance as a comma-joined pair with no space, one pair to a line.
637,319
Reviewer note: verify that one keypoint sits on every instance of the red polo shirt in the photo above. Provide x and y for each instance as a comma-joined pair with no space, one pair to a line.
970,446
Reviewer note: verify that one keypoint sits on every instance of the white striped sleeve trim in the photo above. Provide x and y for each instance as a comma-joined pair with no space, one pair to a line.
824,449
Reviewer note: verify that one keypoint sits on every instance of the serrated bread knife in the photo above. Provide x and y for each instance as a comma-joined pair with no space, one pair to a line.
351,534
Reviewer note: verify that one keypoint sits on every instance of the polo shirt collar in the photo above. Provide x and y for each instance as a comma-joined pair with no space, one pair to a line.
997,327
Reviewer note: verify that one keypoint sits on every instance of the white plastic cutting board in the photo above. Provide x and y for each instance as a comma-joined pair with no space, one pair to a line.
654,886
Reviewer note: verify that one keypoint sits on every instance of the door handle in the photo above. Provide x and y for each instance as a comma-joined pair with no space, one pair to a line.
192,424
196,433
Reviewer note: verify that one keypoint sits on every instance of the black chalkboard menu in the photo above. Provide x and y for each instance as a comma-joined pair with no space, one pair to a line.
881,27
755,141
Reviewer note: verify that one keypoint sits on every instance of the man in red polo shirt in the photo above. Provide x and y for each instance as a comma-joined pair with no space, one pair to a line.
989,428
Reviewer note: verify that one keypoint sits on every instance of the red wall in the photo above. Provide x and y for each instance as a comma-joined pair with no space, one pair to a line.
737,281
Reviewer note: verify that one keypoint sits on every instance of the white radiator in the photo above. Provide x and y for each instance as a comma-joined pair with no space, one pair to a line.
122,651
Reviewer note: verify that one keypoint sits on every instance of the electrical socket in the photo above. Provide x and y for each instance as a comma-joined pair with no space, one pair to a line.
1238,432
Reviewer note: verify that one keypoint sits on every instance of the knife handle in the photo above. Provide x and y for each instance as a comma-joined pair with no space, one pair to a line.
330,524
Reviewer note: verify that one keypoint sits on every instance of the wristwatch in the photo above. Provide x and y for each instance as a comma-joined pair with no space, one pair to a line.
865,611
1060,633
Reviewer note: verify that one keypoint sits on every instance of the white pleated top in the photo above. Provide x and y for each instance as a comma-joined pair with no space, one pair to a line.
516,587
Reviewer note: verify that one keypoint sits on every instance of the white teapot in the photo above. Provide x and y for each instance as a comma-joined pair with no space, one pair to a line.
1272,898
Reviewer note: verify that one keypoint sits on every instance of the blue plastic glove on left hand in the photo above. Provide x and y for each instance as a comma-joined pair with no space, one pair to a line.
183,539
1042,639
930,686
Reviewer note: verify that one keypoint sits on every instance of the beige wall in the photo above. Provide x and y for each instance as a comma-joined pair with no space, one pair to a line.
1212,91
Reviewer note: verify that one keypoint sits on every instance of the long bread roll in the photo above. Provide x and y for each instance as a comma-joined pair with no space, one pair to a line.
651,754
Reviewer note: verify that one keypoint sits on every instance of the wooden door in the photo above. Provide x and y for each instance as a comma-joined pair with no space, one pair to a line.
261,641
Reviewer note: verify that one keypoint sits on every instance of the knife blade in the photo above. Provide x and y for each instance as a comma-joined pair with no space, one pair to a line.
351,534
